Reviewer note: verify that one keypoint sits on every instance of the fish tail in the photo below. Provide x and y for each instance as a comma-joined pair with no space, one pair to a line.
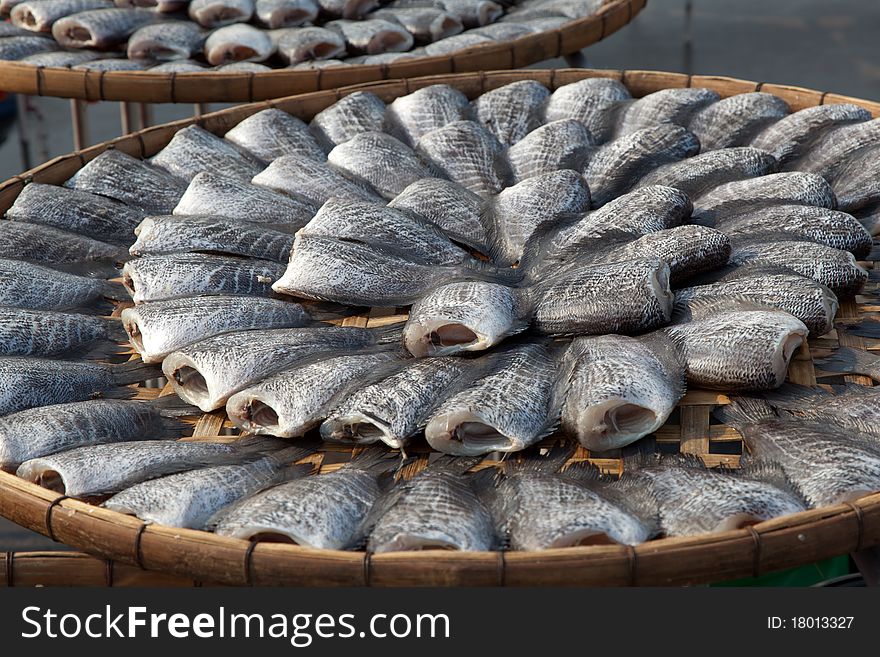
866,329
553,461
792,396
135,371
851,361
743,411
297,451
114,329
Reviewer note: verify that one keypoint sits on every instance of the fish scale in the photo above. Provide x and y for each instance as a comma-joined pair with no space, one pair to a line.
383,162
100,28
131,181
355,113
704,171
438,508
591,102
28,285
307,45
25,332
157,278
156,329
194,149
208,372
379,224
828,465
166,41
285,13
312,180
511,407
75,210
614,168
512,111
414,115
212,194
322,511
294,401
621,389
735,120
176,233
57,428
271,133
563,144
42,243
217,13
792,136
38,16
664,106
396,407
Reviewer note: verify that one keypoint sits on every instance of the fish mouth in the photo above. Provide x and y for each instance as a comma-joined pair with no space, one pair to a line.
78,34
131,285
389,41
615,423
49,479
465,434
405,542
446,26
442,339
26,18
190,384
217,16
488,13
581,537
272,537
234,53
360,428
254,415
324,50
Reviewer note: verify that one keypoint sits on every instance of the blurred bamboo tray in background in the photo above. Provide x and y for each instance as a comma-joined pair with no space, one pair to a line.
766,547
209,87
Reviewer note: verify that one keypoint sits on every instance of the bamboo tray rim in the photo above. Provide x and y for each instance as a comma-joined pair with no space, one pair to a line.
204,87
768,546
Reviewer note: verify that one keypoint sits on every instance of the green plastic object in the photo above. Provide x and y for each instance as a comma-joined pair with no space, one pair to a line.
801,576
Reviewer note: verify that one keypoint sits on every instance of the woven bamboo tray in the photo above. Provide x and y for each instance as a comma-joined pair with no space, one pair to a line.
206,87
769,546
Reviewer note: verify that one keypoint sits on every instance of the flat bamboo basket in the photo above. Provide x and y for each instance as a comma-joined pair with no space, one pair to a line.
205,87
47,568
766,547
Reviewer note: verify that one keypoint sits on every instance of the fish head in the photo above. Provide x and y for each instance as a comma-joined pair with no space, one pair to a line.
253,415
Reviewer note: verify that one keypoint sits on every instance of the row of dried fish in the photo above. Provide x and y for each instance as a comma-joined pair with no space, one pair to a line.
216,31
808,448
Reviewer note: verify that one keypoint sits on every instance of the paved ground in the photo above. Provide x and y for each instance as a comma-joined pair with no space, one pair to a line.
831,46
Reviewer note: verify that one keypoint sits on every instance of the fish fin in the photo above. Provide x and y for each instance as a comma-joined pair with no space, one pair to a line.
88,268
582,471
744,411
298,451
537,243
485,480
454,464
669,355
770,472
135,371
631,494
382,506
260,444
373,459
388,335
173,406
488,271
532,461
122,392
115,291
791,396
866,329
851,361
171,429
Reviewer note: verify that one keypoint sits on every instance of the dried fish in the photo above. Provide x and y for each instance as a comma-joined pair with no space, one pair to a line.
100,28
25,332
372,36
410,117
28,285
314,181
271,133
355,113
39,15
166,41
217,13
41,243
157,278
156,329
675,106
592,102
736,120
563,144
512,111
